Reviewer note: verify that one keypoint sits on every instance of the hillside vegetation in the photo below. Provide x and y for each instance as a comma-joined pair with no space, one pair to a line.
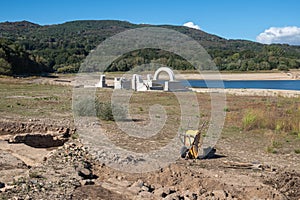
14,60
63,47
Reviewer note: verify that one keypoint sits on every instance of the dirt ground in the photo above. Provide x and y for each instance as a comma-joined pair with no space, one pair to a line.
242,170
43,157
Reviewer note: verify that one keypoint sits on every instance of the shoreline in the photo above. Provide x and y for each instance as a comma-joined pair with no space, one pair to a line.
70,80
294,75
250,92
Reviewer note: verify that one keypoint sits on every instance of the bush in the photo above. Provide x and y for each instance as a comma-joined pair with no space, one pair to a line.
283,68
250,120
110,112
68,69
226,109
35,175
271,149
84,107
103,110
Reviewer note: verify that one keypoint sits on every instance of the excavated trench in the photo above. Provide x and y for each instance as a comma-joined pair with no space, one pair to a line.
34,134
39,140
30,142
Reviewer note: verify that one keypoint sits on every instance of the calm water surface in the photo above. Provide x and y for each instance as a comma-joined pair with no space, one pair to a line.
253,84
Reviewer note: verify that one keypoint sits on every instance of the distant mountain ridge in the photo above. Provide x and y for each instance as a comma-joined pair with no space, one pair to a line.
63,47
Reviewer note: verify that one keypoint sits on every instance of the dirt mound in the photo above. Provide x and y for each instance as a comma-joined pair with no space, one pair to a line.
187,179
95,192
9,127
287,183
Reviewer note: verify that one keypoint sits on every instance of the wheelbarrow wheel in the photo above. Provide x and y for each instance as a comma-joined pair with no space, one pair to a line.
183,151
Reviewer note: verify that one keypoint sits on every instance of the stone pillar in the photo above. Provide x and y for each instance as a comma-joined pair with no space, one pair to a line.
117,83
134,82
149,81
166,87
102,81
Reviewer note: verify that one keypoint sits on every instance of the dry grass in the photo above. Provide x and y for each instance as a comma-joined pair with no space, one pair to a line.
35,100
249,113
277,115
280,116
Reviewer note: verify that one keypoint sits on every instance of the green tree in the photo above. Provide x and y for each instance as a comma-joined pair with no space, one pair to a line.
235,57
251,65
264,66
5,67
218,61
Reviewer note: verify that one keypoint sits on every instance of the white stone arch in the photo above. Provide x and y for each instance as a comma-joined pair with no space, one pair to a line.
164,69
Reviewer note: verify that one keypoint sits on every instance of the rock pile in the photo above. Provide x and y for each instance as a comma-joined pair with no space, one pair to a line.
57,177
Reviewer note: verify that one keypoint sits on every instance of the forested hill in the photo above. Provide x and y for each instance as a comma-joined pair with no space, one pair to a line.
14,60
63,47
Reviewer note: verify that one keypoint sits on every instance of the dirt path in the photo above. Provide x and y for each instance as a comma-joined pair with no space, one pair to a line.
29,155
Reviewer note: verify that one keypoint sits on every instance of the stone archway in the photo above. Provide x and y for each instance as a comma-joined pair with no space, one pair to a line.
164,69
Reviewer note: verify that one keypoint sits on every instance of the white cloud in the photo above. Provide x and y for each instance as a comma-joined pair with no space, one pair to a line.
286,35
191,25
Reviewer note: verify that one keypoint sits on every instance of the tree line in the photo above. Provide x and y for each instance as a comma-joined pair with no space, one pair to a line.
14,60
27,48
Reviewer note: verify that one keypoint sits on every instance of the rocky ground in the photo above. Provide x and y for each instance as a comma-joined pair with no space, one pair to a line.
49,162
42,156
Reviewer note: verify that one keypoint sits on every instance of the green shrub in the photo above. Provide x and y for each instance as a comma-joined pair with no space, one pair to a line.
35,175
250,120
271,149
276,144
75,136
226,109
297,151
68,69
103,110
84,107
110,112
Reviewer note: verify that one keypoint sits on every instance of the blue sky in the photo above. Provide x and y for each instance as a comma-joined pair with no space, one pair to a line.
234,19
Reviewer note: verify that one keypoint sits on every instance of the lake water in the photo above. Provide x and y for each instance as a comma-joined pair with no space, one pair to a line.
253,84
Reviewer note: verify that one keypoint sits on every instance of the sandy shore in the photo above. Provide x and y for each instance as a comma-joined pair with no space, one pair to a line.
250,92
294,75
243,76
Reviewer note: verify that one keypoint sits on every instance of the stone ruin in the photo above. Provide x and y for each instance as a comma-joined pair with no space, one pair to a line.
136,83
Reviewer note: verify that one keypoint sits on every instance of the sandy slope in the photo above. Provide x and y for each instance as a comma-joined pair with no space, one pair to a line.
244,76
251,92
